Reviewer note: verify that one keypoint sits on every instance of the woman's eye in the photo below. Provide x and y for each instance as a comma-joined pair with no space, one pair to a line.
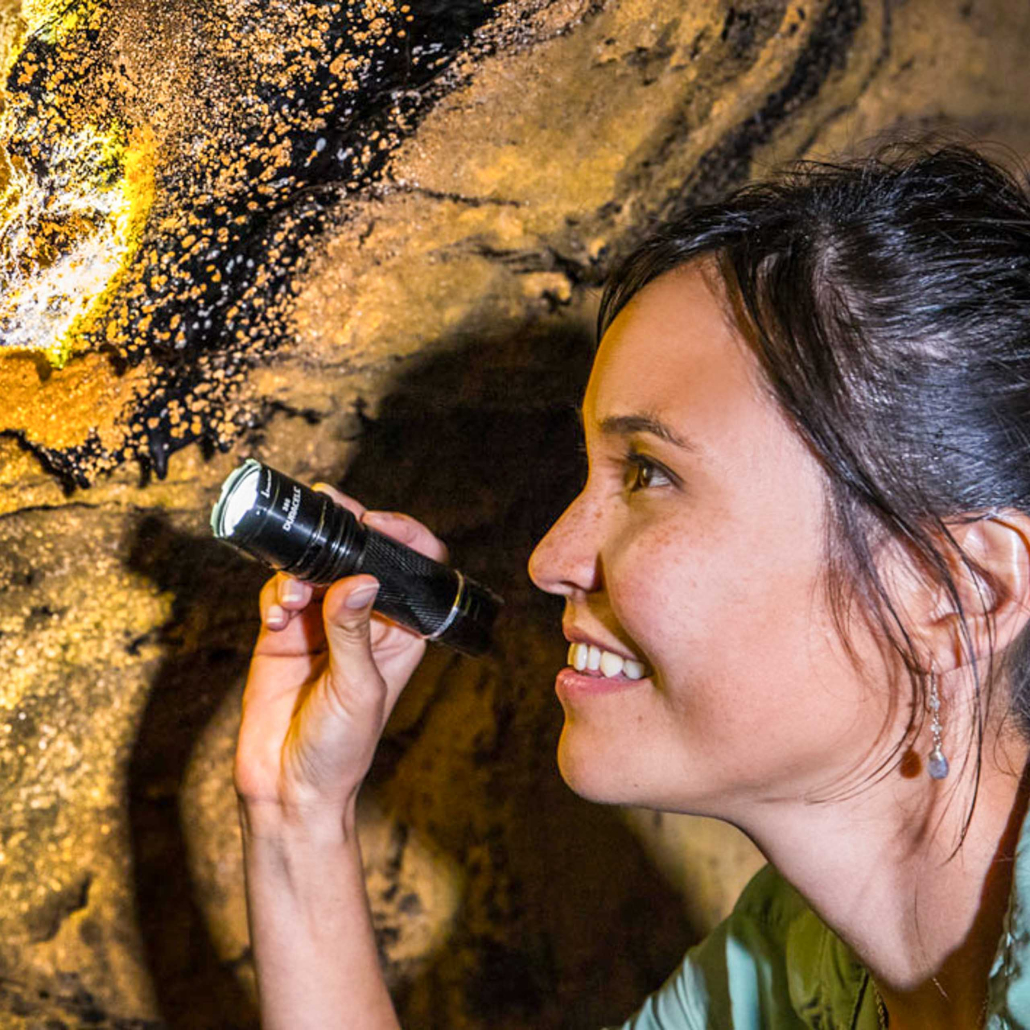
642,474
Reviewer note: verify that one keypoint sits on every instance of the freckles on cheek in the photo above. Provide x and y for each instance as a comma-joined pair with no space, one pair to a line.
656,594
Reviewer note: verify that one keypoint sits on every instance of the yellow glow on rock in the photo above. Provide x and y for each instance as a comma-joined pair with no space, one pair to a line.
68,236
50,19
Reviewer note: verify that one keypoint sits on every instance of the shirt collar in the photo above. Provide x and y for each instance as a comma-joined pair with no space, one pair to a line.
1009,985
830,987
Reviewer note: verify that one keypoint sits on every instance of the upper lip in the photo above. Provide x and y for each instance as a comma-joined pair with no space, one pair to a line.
574,635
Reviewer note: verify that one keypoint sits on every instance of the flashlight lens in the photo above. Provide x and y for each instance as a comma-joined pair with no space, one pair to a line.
239,493
241,500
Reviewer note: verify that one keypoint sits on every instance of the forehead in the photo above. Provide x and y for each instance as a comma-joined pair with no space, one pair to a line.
672,353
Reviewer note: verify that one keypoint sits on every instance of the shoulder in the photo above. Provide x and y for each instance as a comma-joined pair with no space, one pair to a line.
740,974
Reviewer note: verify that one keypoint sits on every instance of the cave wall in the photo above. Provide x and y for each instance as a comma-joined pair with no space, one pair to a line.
404,309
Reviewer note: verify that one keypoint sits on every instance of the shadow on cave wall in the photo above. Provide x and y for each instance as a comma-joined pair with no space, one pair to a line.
480,443
205,645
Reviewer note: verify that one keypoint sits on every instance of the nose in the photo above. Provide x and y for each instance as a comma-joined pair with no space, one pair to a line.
567,560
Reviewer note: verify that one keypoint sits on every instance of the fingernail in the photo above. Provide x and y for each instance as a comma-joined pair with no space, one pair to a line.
291,591
275,616
378,516
362,596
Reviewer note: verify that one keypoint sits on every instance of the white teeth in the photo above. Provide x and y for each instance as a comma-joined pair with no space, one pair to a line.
591,658
578,655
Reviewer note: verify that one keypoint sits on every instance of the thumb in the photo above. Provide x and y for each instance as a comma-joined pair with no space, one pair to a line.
347,610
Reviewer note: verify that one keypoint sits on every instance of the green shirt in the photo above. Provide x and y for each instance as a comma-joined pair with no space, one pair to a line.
773,964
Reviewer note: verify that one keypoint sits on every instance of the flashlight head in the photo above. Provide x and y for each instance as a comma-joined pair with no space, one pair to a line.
238,497
270,516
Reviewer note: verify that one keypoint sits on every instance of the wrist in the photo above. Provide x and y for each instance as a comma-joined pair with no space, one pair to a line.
314,825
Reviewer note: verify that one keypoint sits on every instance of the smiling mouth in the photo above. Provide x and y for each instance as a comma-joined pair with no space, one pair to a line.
590,659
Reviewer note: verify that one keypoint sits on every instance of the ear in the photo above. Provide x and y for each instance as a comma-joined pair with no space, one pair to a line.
998,594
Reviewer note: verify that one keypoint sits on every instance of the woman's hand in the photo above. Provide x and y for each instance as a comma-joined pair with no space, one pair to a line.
325,674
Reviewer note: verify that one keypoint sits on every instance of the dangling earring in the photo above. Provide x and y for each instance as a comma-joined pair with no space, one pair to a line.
937,764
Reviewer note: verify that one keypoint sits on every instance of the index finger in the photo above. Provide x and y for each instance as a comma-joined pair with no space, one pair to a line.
356,508
401,527
408,531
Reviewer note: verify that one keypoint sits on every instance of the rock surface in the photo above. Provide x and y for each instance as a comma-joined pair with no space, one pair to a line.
431,335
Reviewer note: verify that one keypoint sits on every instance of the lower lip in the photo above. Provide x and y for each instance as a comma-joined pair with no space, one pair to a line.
574,684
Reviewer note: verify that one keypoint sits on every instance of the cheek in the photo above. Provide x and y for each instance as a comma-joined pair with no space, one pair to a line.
667,591
716,607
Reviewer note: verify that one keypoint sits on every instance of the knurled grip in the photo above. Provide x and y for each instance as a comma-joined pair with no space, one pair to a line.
414,590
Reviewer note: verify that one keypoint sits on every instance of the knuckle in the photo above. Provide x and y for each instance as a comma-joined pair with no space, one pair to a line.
347,628
268,593
342,499
352,632
293,591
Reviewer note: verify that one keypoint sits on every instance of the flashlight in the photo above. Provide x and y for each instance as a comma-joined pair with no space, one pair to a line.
305,533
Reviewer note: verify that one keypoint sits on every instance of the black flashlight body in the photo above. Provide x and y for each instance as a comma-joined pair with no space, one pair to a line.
306,534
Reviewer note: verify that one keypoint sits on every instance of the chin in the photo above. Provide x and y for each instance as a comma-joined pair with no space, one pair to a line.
630,777
591,773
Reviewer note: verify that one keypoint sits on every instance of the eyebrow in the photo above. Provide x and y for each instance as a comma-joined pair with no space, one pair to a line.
626,425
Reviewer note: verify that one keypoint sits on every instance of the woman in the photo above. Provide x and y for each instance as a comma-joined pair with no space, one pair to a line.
796,587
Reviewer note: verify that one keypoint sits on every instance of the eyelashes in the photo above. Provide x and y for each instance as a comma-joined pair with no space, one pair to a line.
643,474
639,471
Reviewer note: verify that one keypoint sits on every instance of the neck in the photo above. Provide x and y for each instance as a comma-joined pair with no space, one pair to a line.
924,921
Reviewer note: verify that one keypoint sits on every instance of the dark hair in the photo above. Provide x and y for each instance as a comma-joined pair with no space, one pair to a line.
887,300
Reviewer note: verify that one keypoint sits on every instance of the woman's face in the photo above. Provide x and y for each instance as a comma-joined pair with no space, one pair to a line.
696,548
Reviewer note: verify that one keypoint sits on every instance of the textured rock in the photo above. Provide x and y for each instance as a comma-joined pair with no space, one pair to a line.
430,333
